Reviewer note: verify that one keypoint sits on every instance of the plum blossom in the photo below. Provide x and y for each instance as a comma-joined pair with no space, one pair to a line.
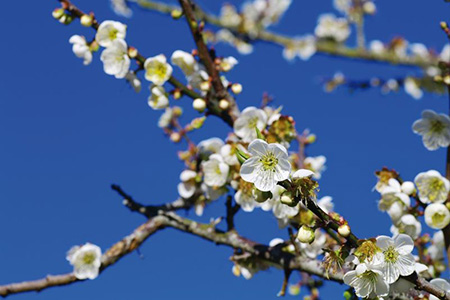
396,256
245,196
432,187
268,164
210,146
187,186
115,59
86,260
158,98
245,124
329,26
437,215
110,31
326,204
81,48
434,129
157,70
316,164
407,224
185,61
440,283
303,47
367,280
412,88
216,171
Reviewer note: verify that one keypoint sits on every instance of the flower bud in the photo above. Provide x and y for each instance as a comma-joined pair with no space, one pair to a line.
66,19
58,13
311,138
224,104
294,289
437,215
305,235
287,199
205,86
198,122
446,79
408,188
177,111
199,105
94,46
236,88
176,94
132,52
344,230
369,8
176,14
175,137
86,20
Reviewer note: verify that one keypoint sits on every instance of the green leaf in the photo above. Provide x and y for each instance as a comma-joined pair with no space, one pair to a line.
241,156
259,134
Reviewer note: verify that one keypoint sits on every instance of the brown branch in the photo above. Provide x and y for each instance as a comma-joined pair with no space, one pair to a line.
231,212
220,91
323,47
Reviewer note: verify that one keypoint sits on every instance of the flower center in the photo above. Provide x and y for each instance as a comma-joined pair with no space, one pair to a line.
252,122
437,126
160,70
269,161
88,258
390,255
113,34
369,276
436,186
438,218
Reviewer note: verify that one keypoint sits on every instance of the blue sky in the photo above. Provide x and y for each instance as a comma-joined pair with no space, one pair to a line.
69,131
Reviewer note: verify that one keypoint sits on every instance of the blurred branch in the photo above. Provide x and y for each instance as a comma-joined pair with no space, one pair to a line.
323,47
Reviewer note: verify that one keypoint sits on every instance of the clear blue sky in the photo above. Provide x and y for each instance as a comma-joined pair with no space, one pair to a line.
68,131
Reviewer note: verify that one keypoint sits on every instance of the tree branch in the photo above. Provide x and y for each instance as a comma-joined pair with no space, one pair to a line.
323,47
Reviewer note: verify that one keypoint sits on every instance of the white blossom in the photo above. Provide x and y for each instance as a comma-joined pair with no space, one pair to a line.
166,118
185,61
377,47
81,49
121,8
109,31
437,215
328,26
303,47
419,50
229,15
245,196
407,224
228,153
268,165
408,187
396,256
440,283
133,81
343,5
445,53
367,280
115,59
216,171
245,124
187,186
434,129
326,204
412,88
316,164
210,146
157,70
432,187
228,63
436,250
316,247
158,98
86,260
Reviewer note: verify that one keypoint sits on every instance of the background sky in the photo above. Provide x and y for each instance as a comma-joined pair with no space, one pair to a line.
68,131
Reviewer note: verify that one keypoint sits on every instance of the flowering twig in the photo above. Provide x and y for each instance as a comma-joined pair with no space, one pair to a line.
323,47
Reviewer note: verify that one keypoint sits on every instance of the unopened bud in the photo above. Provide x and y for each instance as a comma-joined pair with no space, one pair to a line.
408,188
199,105
66,19
305,235
369,8
286,199
175,137
176,14
205,86
58,13
347,295
294,289
224,104
132,52
447,205
198,122
86,20
443,25
177,111
94,46
176,94
236,88
446,79
311,138
344,230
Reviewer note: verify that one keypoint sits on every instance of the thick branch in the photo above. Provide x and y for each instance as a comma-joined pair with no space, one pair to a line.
323,47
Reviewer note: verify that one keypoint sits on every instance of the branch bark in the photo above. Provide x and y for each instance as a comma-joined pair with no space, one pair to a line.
323,47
